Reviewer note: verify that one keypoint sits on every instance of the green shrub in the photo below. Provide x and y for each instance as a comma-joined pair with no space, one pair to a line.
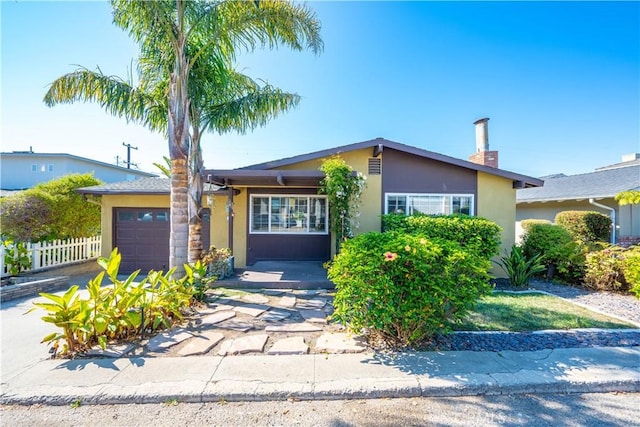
344,190
632,270
16,257
614,269
519,269
404,288
473,233
527,223
197,279
556,246
26,217
51,210
585,226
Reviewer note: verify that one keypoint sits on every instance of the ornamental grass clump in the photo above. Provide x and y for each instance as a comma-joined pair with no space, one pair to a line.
404,288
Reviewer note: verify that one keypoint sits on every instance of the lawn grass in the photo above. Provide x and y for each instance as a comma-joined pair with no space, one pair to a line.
532,312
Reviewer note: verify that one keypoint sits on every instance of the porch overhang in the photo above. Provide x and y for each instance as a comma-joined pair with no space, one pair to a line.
263,178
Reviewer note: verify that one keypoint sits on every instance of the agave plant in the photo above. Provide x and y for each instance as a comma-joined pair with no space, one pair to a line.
519,268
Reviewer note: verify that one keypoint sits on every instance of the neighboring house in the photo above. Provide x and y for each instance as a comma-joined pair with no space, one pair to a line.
594,191
273,211
24,169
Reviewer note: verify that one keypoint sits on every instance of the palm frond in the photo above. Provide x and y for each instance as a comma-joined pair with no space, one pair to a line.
242,25
114,95
247,112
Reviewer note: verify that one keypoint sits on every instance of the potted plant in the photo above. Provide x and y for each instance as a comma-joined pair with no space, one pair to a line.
299,217
220,262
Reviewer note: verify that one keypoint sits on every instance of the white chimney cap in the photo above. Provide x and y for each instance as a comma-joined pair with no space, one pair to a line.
630,157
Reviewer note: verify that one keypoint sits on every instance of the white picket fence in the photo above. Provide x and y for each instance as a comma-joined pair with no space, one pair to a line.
57,252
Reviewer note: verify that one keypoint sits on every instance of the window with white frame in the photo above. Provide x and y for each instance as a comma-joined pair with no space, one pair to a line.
429,204
34,168
290,214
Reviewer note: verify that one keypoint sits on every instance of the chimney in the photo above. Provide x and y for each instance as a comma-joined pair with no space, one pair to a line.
630,157
483,156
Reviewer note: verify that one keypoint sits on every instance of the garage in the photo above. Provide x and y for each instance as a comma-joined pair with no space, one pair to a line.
142,237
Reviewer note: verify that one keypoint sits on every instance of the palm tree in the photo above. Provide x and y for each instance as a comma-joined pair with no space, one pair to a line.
180,40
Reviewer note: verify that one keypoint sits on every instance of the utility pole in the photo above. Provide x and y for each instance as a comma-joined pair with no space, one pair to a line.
129,148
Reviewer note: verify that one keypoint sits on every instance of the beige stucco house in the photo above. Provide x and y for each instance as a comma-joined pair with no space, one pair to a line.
273,211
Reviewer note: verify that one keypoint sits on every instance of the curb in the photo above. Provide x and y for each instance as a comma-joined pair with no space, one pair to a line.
380,391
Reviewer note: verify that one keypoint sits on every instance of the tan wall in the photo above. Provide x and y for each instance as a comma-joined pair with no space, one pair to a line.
497,202
371,200
220,225
549,210
124,201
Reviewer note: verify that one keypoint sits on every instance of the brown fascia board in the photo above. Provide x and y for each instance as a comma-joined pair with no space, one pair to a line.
249,176
375,143
132,192
123,192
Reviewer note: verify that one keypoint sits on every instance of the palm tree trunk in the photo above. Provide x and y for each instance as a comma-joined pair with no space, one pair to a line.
178,150
179,223
195,197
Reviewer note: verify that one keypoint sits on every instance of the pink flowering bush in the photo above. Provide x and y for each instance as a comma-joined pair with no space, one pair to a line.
403,288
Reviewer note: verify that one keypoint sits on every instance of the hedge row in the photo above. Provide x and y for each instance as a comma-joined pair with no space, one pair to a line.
473,233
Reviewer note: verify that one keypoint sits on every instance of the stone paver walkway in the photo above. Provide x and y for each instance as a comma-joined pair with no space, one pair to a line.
272,322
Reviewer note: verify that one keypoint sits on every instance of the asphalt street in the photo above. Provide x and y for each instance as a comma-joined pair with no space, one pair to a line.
557,410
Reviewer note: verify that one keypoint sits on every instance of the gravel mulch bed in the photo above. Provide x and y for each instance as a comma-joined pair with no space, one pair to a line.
532,341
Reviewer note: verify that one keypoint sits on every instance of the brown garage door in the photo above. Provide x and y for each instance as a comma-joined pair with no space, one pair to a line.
142,237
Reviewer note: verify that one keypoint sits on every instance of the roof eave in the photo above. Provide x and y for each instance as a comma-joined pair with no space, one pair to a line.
565,199
263,177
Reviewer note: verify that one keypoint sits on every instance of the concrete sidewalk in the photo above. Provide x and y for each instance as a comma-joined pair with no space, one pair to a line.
320,376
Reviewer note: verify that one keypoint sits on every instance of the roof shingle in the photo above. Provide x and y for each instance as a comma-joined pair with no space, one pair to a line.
598,184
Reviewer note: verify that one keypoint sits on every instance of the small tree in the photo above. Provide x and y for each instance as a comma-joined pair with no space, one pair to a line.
74,215
26,217
343,188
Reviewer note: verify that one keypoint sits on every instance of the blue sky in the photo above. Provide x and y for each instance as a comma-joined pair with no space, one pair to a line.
560,82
